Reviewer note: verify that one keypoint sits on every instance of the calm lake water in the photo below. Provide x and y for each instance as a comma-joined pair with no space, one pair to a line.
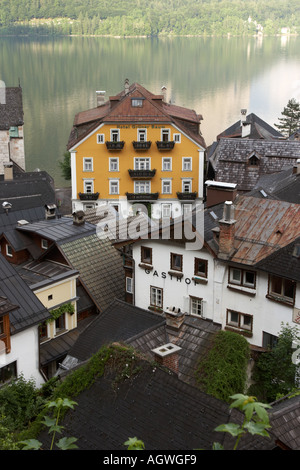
216,77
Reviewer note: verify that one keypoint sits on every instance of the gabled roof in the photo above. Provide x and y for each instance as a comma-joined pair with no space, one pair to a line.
11,111
262,227
152,404
284,185
30,310
229,162
259,129
118,109
100,267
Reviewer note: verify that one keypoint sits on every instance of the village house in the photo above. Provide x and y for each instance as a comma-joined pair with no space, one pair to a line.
11,128
232,278
139,148
249,150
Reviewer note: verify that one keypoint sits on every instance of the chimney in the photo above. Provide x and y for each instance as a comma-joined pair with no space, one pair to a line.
174,320
78,218
296,168
8,171
164,93
246,126
126,86
100,98
227,231
167,356
218,192
50,211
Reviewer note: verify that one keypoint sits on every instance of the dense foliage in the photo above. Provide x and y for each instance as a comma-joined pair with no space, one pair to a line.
149,17
223,371
275,372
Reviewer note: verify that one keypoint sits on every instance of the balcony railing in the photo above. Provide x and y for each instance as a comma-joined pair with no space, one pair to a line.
141,145
141,173
88,196
142,196
187,196
114,145
165,145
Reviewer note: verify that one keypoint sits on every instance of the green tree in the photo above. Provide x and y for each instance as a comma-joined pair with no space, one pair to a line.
275,371
65,166
291,120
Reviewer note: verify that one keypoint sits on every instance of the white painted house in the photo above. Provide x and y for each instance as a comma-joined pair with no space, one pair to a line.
245,277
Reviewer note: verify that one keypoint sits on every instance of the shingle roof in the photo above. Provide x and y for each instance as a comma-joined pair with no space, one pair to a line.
284,185
153,405
229,161
284,262
100,267
259,129
14,288
11,112
119,322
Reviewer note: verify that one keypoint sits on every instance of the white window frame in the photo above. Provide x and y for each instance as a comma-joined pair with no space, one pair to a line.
112,133
184,182
8,250
142,132
137,102
129,285
100,138
138,184
177,138
88,164
44,244
113,160
166,210
165,132
186,163
187,208
240,323
114,187
168,162
139,161
156,296
196,306
87,183
166,186
241,279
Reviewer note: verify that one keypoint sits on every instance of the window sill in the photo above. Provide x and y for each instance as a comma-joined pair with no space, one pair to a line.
175,273
146,266
200,280
242,289
281,300
240,331
155,309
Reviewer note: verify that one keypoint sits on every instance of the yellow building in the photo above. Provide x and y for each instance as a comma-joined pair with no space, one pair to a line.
136,147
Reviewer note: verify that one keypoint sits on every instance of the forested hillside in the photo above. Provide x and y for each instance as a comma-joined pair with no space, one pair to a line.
149,17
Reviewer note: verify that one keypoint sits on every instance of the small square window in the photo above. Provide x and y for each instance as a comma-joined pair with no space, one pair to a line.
137,102
200,267
50,297
100,138
146,255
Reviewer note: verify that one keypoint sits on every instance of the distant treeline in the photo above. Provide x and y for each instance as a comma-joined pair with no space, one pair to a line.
149,17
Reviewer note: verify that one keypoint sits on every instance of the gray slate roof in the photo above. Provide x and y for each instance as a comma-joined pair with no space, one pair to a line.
284,185
153,405
27,190
14,288
99,264
259,129
284,262
229,163
11,112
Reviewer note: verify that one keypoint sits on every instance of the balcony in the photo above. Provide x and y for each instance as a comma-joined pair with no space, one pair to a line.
141,145
187,196
165,144
114,145
88,196
142,196
140,174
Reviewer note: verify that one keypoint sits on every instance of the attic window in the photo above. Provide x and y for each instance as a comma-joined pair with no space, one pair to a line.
253,161
136,102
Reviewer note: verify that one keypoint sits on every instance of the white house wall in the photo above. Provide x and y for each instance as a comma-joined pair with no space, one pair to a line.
24,351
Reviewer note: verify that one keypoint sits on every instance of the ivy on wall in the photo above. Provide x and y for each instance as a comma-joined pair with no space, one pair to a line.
57,312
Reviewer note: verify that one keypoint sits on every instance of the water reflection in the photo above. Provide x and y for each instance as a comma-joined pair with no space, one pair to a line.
216,77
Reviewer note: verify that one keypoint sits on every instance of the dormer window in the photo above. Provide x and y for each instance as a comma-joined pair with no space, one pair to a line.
136,102
253,160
